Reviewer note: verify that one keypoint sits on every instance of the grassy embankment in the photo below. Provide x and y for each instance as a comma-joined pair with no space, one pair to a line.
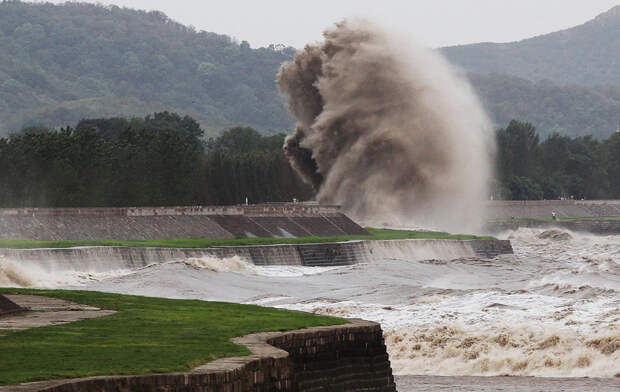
146,335
375,234
559,219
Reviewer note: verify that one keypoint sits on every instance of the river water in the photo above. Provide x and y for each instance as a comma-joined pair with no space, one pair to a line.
550,310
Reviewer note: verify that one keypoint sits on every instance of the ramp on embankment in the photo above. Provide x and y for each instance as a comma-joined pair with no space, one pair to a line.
143,223
7,306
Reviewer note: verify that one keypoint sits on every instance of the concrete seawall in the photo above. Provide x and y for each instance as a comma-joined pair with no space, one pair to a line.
515,213
263,220
102,259
596,226
506,209
350,357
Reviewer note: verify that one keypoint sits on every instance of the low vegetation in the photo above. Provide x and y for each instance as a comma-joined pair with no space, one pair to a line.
146,335
375,234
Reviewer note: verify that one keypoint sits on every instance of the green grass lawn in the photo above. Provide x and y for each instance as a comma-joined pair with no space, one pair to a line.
146,335
563,218
375,234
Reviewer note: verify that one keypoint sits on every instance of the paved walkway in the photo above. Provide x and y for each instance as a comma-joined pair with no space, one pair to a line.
44,311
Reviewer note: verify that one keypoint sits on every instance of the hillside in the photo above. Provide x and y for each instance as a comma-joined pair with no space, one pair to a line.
588,54
566,82
61,63
568,110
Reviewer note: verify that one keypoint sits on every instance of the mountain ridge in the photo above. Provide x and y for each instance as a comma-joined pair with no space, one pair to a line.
60,63
587,54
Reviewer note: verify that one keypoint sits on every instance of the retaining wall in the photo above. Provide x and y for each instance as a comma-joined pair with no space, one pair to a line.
268,220
603,227
504,209
350,357
102,259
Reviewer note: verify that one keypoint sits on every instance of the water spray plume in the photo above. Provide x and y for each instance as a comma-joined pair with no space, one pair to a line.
388,130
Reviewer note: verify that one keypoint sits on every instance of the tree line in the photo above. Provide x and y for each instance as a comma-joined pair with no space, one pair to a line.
164,159
161,159
558,167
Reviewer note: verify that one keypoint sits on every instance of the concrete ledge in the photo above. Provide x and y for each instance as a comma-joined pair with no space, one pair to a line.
350,357
251,210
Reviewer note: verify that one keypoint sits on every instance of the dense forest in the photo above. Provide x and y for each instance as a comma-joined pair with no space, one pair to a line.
61,63
163,159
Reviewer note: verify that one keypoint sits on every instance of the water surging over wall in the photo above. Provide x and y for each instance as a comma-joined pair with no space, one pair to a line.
387,130
77,266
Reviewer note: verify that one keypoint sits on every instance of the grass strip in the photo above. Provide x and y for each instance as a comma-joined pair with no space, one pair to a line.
146,335
375,234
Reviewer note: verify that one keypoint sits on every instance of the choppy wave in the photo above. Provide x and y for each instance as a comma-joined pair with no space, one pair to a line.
18,274
522,350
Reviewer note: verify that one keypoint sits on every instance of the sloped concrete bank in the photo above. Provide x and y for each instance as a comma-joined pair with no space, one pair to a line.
102,259
280,220
350,357
505,209
596,226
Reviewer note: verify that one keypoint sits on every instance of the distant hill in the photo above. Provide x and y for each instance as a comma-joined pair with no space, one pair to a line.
568,110
588,54
61,63
566,82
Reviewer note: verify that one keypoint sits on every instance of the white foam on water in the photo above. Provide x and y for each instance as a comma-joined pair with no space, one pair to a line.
19,274
240,265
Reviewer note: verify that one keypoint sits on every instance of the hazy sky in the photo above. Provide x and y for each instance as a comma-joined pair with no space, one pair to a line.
430,22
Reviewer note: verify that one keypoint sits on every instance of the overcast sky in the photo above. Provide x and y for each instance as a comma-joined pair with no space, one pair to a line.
431,22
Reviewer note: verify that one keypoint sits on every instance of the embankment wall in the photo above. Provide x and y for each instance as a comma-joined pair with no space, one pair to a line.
268,220
596,226
103,259
350,357
505,209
